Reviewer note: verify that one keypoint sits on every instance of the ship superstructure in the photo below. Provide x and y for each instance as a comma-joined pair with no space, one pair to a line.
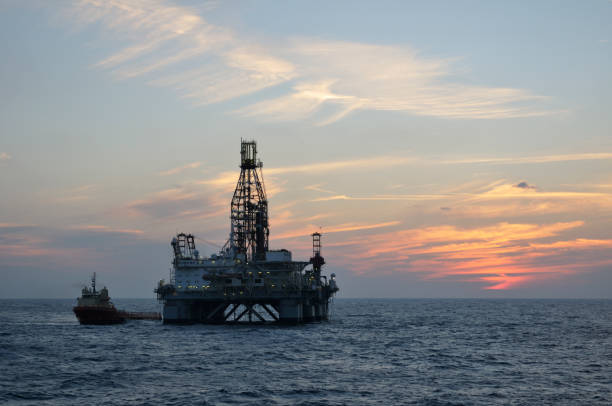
95,307
245,280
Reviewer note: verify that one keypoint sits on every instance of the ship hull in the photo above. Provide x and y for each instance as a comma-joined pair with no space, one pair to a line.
97,315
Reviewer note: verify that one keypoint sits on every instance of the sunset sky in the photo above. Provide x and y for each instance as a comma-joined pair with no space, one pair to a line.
443,148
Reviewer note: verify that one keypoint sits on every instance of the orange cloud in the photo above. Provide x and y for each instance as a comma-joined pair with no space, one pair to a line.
226,182
496,234
504,255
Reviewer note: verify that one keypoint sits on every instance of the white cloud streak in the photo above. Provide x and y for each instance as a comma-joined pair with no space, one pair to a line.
382,197
540,159
179,169
166,38
390,161
351,76
175,47
107,229
228,179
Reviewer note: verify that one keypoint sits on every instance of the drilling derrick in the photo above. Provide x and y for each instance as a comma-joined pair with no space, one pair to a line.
249,209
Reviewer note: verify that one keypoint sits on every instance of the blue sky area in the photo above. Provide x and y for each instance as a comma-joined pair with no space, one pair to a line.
444,148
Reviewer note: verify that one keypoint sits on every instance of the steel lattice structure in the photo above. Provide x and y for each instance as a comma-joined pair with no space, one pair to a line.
249,209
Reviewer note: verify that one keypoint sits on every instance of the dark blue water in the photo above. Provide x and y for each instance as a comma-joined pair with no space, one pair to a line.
383,352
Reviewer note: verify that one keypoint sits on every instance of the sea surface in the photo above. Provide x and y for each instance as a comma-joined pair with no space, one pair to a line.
371,352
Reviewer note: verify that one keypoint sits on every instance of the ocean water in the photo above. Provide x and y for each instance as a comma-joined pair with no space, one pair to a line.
372,352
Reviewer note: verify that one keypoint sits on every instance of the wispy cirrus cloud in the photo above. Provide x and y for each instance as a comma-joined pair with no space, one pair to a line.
106,229
351,76
369,163
318,188
495,199
76,195
235,73
228,178
179,169
175,46
174,205
168,204
475,199
165,42
536,159
396,197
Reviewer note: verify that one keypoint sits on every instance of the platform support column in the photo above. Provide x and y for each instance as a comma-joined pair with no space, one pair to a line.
290,311
308,312
318,313
176,312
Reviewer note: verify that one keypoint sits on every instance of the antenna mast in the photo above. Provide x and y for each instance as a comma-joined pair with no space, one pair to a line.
316,260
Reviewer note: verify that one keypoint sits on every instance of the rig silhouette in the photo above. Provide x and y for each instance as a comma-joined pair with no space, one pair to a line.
245,281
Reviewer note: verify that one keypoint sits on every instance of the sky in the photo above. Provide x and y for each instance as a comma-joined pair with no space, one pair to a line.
458,149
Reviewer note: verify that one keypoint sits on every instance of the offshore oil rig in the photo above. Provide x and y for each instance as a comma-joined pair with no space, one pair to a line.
245,281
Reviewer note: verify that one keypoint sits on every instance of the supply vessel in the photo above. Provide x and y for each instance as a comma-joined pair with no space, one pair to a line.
95,307
245,281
